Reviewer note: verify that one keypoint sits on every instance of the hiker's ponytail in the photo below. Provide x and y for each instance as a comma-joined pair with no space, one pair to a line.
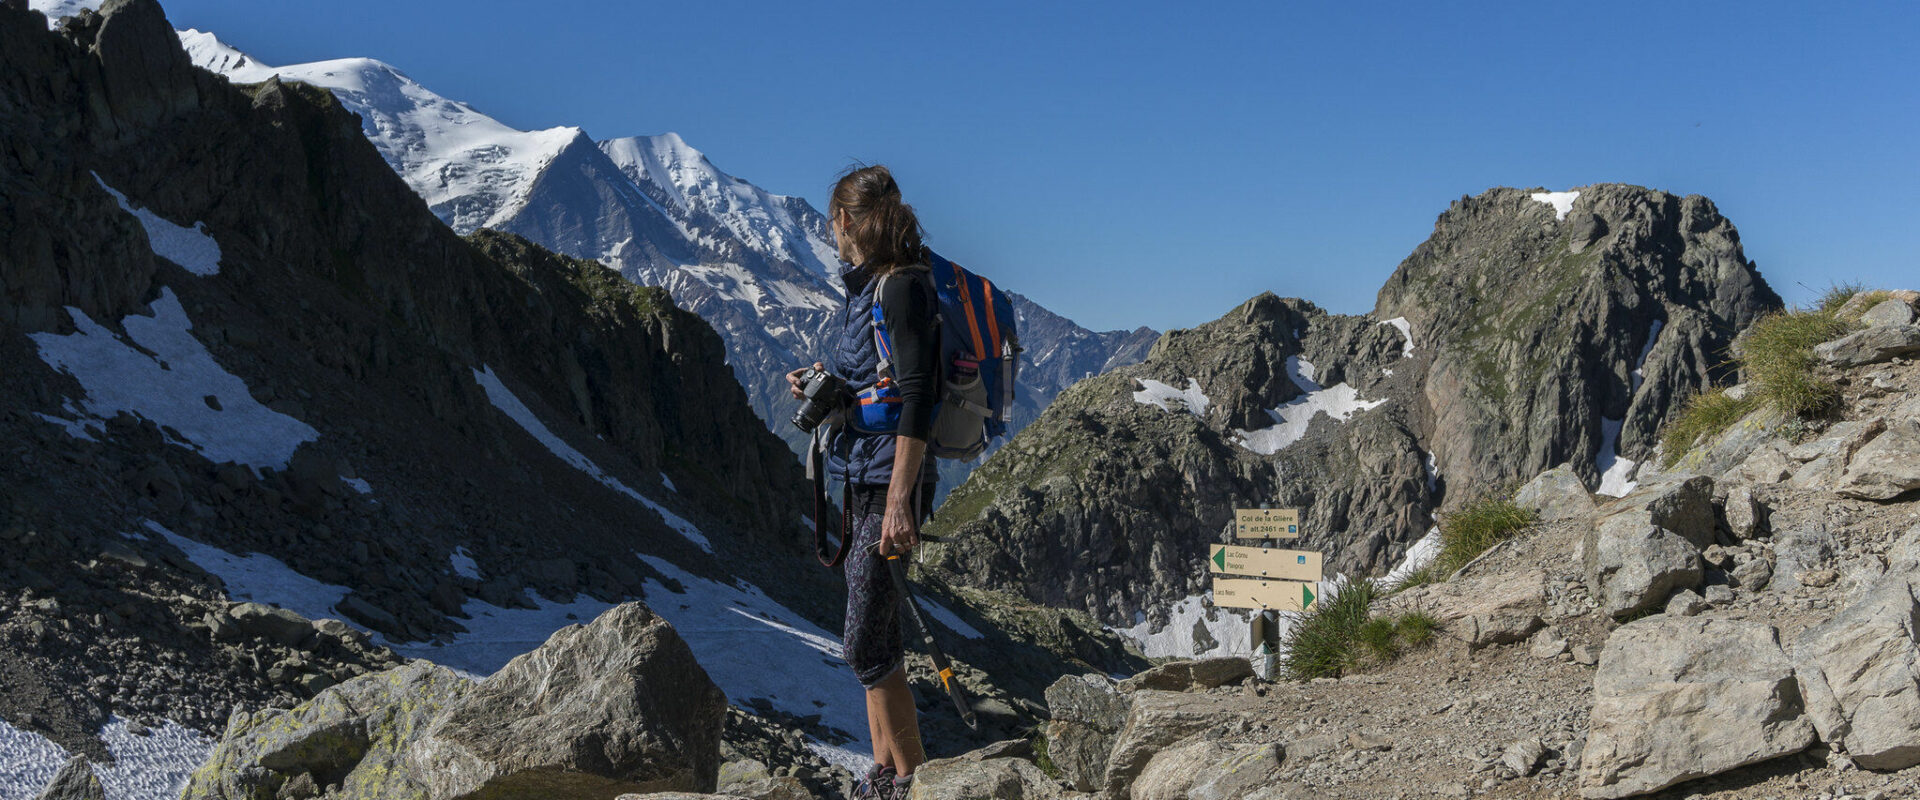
882,232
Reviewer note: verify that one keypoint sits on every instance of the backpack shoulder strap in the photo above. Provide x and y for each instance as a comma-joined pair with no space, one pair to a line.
882,338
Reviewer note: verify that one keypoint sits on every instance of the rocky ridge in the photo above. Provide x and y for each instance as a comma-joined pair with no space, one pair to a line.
1516,338
1778,660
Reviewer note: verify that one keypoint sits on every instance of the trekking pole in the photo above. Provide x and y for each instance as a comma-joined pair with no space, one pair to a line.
899,572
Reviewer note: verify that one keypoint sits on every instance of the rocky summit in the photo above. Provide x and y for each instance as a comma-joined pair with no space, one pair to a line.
1530,330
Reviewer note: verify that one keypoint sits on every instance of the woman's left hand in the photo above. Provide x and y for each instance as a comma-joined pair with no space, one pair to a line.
899,532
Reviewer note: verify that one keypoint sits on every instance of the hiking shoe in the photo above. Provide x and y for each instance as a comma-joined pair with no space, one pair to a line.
897,788
878,785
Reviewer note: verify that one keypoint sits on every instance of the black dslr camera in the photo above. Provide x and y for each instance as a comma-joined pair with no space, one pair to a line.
823,395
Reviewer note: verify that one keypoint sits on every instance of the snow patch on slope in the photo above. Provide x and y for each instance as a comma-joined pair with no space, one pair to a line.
150,767
497,635
1406,332
192,248
1421,554
1190,399
504,399
463,564
1562,202
737,633
1339,401
259,578
1616,472
176,387
945,616
1227,627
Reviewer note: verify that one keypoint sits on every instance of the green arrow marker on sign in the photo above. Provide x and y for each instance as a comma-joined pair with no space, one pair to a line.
1306,595
1220,557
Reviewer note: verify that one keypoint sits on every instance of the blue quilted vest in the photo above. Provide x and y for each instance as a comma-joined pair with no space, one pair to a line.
853,456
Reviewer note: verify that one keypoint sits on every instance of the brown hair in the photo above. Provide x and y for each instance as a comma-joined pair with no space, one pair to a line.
881,229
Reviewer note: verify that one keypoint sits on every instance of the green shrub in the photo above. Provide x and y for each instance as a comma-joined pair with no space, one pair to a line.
1476,526
1778,360
1704,415
1339,635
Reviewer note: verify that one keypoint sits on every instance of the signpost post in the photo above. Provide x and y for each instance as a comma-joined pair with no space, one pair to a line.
1274,579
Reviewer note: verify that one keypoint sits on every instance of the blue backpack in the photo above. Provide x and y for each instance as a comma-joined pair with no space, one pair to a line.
979,360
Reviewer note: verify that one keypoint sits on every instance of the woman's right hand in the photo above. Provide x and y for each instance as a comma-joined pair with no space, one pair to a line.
793,379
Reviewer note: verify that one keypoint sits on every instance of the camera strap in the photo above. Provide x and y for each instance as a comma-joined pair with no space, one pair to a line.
816,469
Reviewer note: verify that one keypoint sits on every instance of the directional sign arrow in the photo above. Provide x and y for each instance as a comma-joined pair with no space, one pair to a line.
1220,557
1306,595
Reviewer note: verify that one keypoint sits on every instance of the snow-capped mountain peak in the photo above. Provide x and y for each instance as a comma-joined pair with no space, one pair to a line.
767,223
473,170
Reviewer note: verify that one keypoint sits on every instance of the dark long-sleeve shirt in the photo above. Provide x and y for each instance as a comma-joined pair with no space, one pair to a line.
912,313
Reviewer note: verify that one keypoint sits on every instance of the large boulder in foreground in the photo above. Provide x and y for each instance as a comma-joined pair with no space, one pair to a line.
965,778
1087,713
616,706
1861,671
1206,770
1679,698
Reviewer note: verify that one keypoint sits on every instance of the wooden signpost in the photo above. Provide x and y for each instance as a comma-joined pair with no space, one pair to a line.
1292,565
1259,594
1273,579
1266,523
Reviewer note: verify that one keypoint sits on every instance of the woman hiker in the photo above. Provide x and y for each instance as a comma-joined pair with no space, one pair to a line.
890,477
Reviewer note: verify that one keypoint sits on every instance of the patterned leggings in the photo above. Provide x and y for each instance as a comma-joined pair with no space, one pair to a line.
872,637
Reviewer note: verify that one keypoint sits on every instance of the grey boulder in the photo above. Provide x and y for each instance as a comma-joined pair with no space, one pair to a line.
1206,770
613,707
1556,494
1155,720
1889,312
1186,676
1870,346
1087,713
1633,565
1861,671
1887,467
74,781
1679,698
965,778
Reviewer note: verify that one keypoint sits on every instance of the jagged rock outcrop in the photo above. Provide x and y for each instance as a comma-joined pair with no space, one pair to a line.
615,706
1511,341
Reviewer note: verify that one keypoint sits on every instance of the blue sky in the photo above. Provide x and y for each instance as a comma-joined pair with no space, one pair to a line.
1156,164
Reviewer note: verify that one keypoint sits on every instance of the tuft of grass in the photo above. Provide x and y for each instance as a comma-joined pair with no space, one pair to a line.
1424,576
1836,296
1704,416
1040,757
1378,637
1476,526
1340,634
1416,628
1778,359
